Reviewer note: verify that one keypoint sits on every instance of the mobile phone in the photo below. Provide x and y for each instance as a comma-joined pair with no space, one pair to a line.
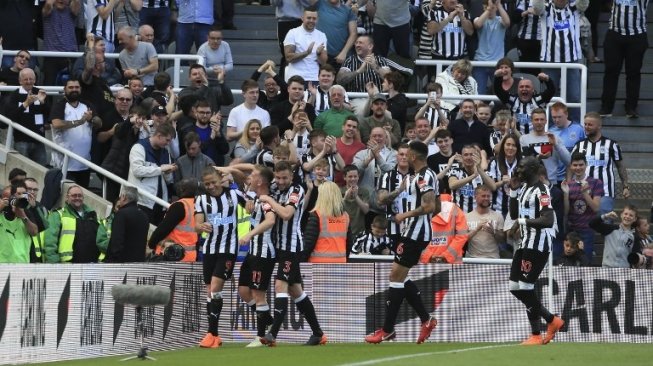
433,95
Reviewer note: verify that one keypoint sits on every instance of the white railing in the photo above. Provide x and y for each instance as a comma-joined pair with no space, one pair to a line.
389,258
162,56
563,67
11,126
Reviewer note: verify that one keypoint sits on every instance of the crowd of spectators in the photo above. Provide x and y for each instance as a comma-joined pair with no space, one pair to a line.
154,137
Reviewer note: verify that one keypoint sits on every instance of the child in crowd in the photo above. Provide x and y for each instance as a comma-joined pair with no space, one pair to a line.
356,199
409,133
483,113
434,109
502,125
573,254
376,241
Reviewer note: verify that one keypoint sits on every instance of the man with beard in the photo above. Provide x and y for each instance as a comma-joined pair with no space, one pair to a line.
485,226
347,145
208,125
530,207
379,119
546,146
199,85
468,130
72,128
305,48
523,103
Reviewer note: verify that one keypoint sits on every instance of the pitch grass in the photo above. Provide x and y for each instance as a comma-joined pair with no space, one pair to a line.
449,354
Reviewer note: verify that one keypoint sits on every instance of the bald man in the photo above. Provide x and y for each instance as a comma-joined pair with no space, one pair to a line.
28,107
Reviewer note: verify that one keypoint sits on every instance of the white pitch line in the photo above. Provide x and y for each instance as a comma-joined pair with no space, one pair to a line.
415,355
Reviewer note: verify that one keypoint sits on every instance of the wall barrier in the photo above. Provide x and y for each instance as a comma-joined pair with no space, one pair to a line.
61,312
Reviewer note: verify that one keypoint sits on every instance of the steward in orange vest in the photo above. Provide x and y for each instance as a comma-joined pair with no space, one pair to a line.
330,245
450,234
178,225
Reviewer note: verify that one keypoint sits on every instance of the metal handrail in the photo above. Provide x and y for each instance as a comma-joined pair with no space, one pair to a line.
541,65
68,155
162,56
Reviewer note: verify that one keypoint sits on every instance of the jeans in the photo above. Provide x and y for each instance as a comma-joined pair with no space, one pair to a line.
32,150
573,89
189,33
400,39
481,75
606,205
159,19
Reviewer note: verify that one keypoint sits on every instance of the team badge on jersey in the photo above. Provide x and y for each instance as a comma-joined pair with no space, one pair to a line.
545,200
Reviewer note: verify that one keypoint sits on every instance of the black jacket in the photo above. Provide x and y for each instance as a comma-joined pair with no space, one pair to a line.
128,235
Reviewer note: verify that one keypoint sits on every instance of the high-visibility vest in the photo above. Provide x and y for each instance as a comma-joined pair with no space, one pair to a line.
184,233
39,244
450,233
67,237
331,245
244,226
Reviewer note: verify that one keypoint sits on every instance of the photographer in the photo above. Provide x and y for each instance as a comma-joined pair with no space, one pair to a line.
15,228
38,214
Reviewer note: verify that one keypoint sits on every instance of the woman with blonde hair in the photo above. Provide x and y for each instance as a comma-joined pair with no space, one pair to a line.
457,80
245,150
326,235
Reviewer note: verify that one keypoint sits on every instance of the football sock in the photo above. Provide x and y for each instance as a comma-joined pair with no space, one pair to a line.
414,299
305,307
215,307
263,318
280,309
396,294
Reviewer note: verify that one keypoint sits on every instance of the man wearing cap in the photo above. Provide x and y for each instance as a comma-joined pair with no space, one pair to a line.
380,119
160,116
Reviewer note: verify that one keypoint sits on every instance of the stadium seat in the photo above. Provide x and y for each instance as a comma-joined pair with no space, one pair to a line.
183,75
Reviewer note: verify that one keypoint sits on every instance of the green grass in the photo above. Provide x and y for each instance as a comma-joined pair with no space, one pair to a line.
448,354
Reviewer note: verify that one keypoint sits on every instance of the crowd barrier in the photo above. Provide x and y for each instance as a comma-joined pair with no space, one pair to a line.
61,312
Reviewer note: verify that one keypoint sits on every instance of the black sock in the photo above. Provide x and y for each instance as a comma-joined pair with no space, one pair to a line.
280,309
305,307
215,307
414,299
208,312
395,298
533,306
546,314
263,318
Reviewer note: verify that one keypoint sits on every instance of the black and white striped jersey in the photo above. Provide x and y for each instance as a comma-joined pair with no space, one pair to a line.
221,212
261,245
366,243
391,181
529,26
418,228
434,117
628,17
321,100
450,42
329,158
500,198
302,142
265,158
425,39
464,196
522,111
533,201
560,33
601,156
352,63
156,4
287,233
104,28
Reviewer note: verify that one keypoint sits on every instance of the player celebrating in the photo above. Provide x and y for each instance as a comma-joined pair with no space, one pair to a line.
421,190
530,205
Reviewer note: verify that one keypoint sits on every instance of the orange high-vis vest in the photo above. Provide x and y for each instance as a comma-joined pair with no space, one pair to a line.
331,245
450,233
184,233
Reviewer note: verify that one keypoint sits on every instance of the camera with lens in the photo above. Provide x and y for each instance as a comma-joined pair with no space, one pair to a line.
640,261
20,201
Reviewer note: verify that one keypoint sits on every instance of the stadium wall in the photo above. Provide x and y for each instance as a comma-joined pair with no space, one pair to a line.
59,312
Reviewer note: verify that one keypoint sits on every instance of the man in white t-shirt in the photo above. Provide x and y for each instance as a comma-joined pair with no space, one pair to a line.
240,115
305,48
72,129
485,227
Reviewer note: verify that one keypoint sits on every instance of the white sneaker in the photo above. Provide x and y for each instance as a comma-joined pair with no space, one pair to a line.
255,343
